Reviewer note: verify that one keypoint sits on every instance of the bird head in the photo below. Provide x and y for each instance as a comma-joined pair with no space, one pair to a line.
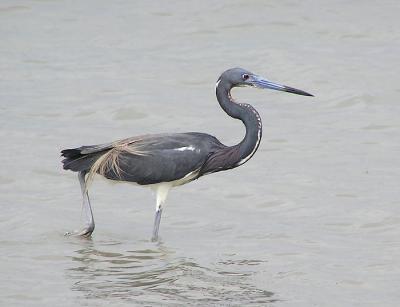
239,77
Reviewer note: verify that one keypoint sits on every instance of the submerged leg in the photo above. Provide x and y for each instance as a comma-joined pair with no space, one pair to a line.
162,193
89,221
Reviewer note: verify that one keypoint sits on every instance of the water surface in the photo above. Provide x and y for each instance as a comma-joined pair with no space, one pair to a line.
311,220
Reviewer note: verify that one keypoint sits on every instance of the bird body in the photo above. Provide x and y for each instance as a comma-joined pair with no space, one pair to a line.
147,159
163,161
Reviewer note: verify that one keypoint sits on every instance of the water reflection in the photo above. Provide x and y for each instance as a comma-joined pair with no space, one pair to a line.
155,274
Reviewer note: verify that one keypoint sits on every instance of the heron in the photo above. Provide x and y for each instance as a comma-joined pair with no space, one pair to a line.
164,161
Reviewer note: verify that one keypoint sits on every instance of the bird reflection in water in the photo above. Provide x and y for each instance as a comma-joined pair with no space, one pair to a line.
155,274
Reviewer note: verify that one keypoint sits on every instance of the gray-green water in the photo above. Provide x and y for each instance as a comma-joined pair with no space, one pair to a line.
312,220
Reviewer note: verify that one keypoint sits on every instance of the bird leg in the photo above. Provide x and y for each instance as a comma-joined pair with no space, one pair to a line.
89,227
89,223
156,226
162,193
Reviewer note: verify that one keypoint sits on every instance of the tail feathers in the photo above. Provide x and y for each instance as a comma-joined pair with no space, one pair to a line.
76,161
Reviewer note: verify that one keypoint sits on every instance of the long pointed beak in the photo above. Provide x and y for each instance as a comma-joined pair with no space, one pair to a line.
260,82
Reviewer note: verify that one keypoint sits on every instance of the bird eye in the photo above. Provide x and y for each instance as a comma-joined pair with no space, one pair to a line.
245,77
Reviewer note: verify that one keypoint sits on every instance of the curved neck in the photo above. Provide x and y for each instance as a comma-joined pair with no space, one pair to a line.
250,118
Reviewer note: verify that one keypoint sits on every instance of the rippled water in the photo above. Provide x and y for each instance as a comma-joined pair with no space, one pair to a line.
312,220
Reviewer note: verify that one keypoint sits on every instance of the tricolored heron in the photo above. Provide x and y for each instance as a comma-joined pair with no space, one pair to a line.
163,161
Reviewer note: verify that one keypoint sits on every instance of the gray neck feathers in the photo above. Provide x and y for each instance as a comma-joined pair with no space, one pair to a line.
248,115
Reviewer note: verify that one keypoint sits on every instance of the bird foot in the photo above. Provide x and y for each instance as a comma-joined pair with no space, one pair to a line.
86,232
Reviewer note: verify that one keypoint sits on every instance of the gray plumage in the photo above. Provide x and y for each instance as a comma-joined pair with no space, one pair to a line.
167,160
159,158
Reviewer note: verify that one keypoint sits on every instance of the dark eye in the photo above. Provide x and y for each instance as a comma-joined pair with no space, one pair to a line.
245,77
